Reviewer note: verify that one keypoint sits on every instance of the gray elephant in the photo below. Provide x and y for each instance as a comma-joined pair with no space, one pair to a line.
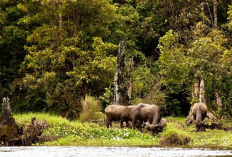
118,113
147,113
199,111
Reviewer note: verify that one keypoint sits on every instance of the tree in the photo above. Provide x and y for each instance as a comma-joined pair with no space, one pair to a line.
65,63
201,59
13,35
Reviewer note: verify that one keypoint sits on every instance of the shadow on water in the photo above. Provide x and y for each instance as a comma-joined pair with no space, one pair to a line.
115,151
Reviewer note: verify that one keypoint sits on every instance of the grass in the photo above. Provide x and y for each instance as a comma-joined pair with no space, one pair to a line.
76,133
91,108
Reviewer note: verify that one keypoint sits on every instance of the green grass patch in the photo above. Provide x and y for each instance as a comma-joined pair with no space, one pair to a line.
174,133
76,133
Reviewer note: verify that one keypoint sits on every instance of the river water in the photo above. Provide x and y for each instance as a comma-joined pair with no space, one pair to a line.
43,151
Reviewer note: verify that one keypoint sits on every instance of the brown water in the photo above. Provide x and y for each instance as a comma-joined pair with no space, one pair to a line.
43,151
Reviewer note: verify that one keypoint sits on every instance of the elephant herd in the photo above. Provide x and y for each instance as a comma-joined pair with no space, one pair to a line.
135,116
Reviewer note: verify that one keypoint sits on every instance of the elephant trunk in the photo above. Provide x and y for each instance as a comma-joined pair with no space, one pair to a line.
199,121
156,119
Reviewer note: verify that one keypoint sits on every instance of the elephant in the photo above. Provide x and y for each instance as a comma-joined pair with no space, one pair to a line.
118,113
147,113
199,111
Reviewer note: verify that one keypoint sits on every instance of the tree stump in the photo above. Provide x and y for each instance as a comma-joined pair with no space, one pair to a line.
8,127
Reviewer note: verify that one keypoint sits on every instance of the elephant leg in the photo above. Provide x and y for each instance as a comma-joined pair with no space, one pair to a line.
121,123
127,124
203,127
152,132
197,128
111,123
107,123
140,125
133,124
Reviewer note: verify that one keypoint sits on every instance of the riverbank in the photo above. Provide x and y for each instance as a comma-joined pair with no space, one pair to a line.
62,132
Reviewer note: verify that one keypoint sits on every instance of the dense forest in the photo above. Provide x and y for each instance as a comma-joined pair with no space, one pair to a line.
54,53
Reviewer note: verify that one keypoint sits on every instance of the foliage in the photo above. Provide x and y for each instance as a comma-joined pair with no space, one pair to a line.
200,59
174,134
75,133
230,17
90,109
53,53
147,87
58,63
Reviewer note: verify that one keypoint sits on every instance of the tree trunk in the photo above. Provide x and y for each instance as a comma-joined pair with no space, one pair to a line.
130,83
202,91
196,90
199,90
202,9
209,11
60,21
215,3
119,75
218,100
8,127
123,78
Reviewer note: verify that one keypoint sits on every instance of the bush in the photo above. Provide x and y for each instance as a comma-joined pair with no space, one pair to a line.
90,109
174,138
174,134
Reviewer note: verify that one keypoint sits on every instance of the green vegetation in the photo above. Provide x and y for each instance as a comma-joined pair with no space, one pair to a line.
54,53
83,134
91,109
74,133
59,57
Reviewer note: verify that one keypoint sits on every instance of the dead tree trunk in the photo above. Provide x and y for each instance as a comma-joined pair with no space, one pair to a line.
195,95
202,91
130,82
8,127
199,90
123,78
218,100
119,75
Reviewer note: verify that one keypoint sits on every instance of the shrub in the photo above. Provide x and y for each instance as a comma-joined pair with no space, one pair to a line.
90,109
174,134
174,138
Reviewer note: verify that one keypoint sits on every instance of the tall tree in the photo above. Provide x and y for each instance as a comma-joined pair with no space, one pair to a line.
67,60
13,35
